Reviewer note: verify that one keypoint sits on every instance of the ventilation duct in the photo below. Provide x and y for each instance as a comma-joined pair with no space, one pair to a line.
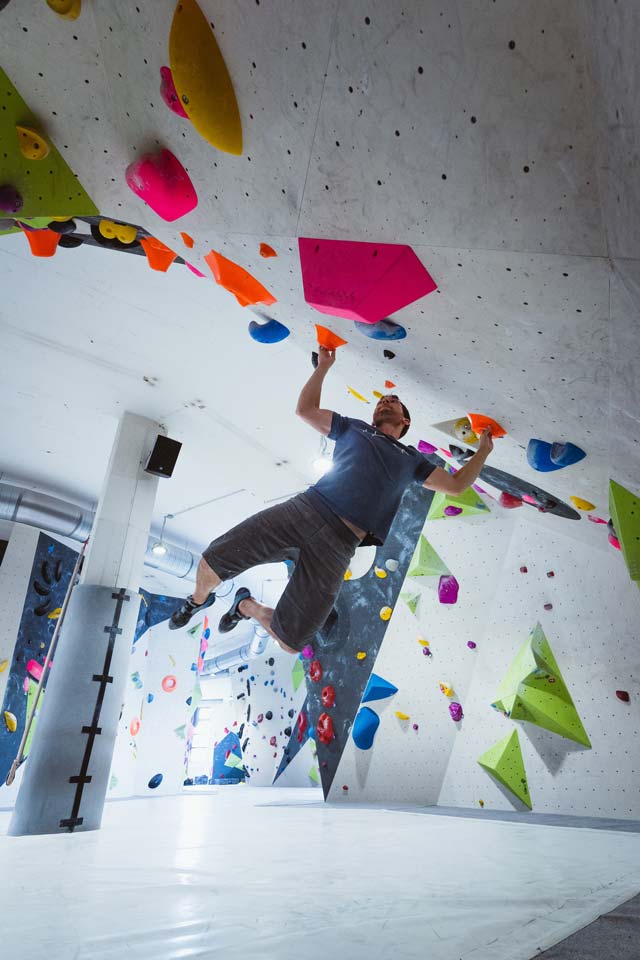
19,505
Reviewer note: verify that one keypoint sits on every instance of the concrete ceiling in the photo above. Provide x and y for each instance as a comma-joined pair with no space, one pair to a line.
501,140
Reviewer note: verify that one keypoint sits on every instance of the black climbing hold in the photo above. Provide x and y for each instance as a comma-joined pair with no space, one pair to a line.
70,241
291,713
314,360
62,227
389,354
269,715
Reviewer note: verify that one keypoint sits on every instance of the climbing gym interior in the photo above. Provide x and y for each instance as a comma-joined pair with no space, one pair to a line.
198,198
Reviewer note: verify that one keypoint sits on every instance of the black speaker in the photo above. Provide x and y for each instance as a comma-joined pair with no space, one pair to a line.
163,457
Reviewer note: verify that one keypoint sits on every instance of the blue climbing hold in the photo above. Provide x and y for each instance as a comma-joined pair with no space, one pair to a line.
364,728
382,330
155,781
207,633
269,332
566,454
149,698
378,689
539,456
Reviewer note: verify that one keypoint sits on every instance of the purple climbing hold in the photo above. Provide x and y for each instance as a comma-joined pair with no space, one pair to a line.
169,93
10,199
548,606
425,447
448,588
307,652
426,651
471,644
455,709
452,511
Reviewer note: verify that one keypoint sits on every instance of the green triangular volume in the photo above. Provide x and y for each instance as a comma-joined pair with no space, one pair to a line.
48,186
469,502
504,761
534,690
426,562
624,508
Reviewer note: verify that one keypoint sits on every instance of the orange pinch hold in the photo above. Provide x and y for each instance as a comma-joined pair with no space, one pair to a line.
187,240
328,339
388,384
43,243
267,251
160,256
479,423
238,281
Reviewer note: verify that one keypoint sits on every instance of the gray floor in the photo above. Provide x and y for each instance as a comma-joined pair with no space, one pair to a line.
613,936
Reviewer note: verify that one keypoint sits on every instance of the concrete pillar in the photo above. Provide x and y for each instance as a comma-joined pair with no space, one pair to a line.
65,777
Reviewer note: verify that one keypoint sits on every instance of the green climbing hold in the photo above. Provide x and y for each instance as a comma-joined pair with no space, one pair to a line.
624,508
504,761
297,673
412,600
534,690
426,562
313,775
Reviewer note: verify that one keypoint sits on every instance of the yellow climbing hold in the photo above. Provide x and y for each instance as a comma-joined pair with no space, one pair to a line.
3,665
124,232
481,802
379,572
32,145
358,396
581,504
402,716
423,643
361,655
377,394
463,431
385,613
10,721
348,575
54,615
202,80
69,9
447,690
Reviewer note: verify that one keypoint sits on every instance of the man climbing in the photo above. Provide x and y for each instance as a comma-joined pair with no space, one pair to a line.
352,504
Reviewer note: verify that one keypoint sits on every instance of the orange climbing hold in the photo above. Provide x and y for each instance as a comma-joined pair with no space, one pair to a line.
43,243
328,339
479,423
238,281
160,256
187,240
389,384
267,251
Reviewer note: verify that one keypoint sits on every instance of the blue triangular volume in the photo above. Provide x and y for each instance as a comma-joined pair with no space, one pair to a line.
364,728
539,456
378,689
565,454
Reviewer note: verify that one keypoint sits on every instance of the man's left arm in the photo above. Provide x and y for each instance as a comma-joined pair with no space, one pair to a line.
456,483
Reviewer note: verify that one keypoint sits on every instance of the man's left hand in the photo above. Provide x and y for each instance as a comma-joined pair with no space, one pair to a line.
485,443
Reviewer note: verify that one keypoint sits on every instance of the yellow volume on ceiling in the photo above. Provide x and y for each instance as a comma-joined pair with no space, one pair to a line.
202,80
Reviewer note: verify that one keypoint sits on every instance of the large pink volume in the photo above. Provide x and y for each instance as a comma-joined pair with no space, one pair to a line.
161,181
361,281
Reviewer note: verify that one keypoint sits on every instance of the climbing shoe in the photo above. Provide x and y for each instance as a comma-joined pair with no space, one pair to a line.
232,617
181,616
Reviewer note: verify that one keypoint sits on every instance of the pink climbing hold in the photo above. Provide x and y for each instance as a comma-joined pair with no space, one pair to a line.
524,569
455,709
425,447
614,541
595,519
34,669
452,511
307,652
169,93
361,281
448,588
163,183
195,270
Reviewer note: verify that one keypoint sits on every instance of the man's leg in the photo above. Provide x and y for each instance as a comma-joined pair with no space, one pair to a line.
264,616
206,581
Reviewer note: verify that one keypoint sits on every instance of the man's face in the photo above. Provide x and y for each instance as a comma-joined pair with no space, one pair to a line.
388,410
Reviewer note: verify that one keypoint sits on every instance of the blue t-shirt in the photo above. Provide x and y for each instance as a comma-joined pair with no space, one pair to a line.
369,475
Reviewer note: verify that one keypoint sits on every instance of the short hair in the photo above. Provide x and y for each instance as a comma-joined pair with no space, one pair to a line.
407,416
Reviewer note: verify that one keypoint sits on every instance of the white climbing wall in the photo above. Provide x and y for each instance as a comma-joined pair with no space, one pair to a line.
593,632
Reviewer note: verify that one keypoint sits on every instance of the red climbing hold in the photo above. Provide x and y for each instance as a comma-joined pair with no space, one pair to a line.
43,243
302,725
325,728
315,670
267,251
389,384
328,696
524,570
622,695
509,502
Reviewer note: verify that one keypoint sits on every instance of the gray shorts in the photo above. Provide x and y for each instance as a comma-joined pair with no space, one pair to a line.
302,530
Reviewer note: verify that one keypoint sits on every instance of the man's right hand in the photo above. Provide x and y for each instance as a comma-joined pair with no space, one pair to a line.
326,358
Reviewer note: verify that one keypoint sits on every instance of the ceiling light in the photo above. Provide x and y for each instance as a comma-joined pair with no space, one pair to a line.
159,549
322,465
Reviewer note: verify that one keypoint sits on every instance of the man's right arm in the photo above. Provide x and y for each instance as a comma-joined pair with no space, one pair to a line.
308,408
